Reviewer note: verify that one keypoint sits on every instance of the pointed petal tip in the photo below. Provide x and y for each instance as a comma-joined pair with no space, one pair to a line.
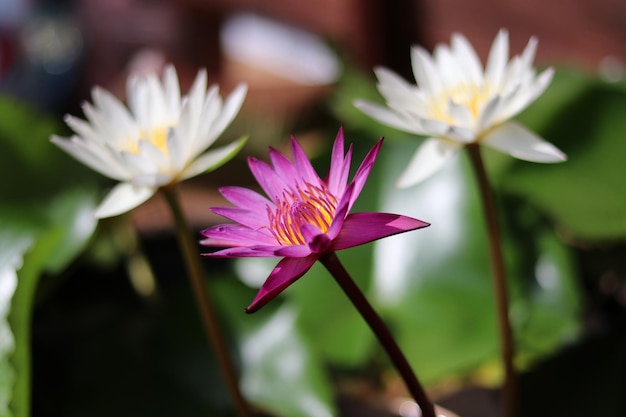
259,302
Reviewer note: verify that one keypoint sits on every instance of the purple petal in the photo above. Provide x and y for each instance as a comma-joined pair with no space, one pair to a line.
360,228
254,219
244,197
294,251
364,170
241,252
272,184
302,164
237,235
286,273
342,211
283,166
339,166
317,241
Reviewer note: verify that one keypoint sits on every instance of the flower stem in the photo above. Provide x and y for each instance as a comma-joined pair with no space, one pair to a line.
334,266
207,311
499,282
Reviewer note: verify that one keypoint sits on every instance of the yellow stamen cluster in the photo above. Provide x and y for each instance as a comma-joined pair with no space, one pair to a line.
312,205
156,136
469,95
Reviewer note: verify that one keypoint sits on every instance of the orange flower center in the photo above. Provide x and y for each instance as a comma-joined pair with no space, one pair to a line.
313,205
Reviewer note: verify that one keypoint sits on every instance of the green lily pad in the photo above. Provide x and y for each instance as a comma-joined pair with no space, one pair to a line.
586,195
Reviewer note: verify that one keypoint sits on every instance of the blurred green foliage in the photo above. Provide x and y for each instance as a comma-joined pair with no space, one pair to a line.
46,218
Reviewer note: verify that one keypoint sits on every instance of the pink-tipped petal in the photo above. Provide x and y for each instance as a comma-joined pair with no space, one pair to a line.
360,177
296,251
273,185
345,204
339,166
239,235
254,219
244,197
286,273
240,251
360,228
282,166
302,164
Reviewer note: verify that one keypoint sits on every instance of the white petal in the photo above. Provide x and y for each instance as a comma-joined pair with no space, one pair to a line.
148,151
213,159
542,82
138,100
232,105
176,149
209,112
83,129
467,55
389,117
82,152
397,92
191,114
152,180
519,142
100,124
527,94
425,71
122,198
156,102
489,112
528,56
138,164
497,61
461,134
435,127
147,101
231,108
461,116
114,112
450,70
172,90
428,159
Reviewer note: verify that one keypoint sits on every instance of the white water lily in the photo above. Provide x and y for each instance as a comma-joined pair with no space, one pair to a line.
158,140
456,103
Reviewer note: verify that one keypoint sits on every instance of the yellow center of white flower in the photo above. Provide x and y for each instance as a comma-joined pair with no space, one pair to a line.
469,95
156,136
314,206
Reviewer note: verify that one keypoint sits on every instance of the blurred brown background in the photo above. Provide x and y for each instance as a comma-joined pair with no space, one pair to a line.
54,52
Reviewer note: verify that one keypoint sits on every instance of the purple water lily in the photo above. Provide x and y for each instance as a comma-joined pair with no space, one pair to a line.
304,218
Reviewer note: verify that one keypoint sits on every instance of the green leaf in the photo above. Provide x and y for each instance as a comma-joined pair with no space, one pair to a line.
60,238
34,169
12,249
47,206
586,195
549,301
